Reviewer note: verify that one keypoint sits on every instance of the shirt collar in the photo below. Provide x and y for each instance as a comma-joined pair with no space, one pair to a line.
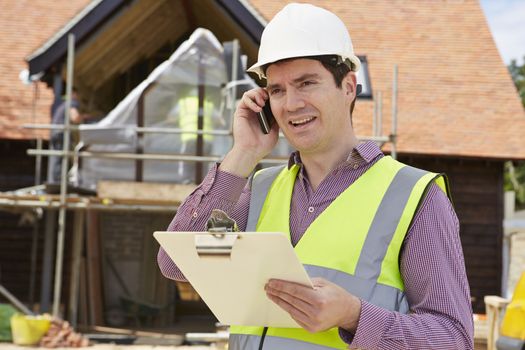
364,153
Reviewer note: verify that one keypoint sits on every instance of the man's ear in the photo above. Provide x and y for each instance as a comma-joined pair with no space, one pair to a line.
349,84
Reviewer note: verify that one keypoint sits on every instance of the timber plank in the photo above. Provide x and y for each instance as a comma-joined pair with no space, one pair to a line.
130,190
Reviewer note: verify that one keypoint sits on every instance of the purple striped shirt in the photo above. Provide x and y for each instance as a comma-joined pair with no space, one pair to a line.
431,261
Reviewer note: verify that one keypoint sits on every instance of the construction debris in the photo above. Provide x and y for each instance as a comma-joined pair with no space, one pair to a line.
61,334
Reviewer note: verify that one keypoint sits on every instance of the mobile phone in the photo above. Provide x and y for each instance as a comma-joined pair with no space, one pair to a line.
266,118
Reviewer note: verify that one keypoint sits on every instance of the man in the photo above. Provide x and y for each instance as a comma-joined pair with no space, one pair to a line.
187,113
379,239
57,136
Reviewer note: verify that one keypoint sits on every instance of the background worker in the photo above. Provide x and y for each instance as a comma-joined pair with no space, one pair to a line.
379,239
186,112
57,136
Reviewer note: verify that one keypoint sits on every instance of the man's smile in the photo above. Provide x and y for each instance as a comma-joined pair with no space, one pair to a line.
302,121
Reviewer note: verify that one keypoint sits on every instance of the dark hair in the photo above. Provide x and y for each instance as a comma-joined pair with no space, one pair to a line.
339,69
335,65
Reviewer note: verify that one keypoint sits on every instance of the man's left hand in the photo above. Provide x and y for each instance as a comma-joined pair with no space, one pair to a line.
325,306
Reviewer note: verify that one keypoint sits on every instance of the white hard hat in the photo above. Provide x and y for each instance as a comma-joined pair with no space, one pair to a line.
303,30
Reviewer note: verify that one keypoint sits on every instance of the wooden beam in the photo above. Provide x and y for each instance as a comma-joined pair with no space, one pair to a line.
47,260
83,315
92,55
222,25
188,11
143,191
78,244
137,333
94,270
138,46
139,149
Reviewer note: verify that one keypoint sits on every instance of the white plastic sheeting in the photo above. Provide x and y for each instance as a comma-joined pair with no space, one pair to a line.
198,61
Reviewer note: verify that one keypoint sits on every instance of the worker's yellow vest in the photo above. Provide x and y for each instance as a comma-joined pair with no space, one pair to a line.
355,242
513,325
188,118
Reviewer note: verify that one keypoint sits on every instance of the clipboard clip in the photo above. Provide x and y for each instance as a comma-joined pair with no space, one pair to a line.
217,243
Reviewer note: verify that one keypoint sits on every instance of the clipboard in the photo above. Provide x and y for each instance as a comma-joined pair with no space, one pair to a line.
229,271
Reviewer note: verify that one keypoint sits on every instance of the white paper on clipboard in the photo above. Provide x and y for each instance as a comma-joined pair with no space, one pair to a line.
229,272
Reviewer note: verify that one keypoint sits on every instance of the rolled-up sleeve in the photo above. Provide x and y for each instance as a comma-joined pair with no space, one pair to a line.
436,286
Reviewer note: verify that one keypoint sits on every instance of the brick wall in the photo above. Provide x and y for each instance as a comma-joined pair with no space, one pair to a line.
17,171
25,25
123,235
129,264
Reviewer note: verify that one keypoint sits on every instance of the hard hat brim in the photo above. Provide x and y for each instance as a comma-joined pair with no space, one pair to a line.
257,68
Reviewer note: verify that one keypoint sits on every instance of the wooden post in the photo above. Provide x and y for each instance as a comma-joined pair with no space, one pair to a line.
94,271
78,243
200,122
83,315
140,136
47,260
139,163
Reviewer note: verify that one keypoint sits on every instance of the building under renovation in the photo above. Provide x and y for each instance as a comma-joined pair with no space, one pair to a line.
160,79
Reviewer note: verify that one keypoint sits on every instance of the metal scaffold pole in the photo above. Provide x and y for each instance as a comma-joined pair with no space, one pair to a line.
393,135
63,178
36,225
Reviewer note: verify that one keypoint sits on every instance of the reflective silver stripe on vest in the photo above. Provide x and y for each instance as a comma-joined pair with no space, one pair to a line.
385,222
381,295
260,187
505,343
251,342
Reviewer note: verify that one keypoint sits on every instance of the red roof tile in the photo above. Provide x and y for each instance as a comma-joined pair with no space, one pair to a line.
455,94
24,26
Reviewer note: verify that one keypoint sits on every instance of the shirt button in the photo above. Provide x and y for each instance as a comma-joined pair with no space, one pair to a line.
311,209
355,166
194,214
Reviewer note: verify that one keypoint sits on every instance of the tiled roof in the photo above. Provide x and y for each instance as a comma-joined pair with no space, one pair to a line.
455,94
24,26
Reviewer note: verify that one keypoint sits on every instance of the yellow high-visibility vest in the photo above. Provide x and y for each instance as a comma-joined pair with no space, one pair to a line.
513,325
345,244
188,117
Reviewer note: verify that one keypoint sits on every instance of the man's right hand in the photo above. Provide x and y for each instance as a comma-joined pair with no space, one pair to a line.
250,144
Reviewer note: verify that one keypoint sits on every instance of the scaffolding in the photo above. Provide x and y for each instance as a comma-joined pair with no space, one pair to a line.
34,198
